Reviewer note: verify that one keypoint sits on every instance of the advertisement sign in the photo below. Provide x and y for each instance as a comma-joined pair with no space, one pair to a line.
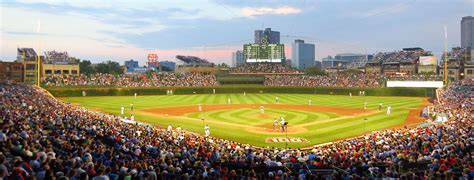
427,60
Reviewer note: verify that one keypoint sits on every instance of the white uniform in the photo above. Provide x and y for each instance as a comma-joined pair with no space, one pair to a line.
207,131
389,109
276,99
132,118
122,110
244,94
365,105
135,95
350,94
199,108
262,109
228,100
282,124
309,102
169,128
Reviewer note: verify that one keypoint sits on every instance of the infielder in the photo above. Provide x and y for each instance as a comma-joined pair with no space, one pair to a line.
262,110
275,124
228,100
276,99
199,108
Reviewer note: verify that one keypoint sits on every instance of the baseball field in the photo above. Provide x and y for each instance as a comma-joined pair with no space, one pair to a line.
312,119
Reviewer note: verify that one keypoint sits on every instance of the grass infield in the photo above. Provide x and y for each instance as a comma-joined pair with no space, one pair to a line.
328,118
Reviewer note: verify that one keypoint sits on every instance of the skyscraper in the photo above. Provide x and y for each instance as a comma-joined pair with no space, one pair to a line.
302,54
237,58
467,32
267,36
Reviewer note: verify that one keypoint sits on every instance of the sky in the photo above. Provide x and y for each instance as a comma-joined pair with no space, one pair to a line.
212,29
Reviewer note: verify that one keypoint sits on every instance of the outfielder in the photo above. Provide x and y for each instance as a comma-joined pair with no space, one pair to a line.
389,109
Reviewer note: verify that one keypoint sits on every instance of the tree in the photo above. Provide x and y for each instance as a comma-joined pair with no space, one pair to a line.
109,67
313,71
85,67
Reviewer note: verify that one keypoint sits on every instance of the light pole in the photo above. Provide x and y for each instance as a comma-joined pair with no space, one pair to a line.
286,134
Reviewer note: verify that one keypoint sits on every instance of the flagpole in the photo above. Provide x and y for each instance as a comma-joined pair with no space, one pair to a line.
445,78
38,79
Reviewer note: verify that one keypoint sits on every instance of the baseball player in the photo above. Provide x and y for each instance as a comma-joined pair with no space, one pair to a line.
199,108
389,109
276,99
275,124
207,131
228,100
122,110
262,110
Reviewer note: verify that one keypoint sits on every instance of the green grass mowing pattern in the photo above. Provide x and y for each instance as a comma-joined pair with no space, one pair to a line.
232,123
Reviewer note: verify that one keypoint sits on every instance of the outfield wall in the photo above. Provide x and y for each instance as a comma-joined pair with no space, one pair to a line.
395,91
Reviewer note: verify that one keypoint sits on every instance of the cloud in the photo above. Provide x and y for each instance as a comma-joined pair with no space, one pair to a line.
283,10
392,9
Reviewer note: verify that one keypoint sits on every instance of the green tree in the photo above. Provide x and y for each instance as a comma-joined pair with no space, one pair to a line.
109,67
85,67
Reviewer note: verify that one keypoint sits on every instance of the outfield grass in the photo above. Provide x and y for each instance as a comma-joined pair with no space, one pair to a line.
233,124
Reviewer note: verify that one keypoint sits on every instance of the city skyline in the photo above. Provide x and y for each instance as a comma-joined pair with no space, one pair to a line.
100,31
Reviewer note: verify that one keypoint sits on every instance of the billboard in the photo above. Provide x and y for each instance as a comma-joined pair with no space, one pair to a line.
427,60
264,52
432,84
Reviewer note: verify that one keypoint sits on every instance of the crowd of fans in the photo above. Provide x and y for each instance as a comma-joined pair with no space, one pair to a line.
399,56
43,138
337,80
264,68
133,80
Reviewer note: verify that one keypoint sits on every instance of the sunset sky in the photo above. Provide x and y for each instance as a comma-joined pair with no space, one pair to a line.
123,30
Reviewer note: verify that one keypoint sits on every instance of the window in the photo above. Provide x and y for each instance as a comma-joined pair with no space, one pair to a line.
74,71
65,71
49,71
57,72
469,71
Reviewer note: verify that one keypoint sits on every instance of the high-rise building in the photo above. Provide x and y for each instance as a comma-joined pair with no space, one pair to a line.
237,58
302,54
467,32
267,36
131,63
